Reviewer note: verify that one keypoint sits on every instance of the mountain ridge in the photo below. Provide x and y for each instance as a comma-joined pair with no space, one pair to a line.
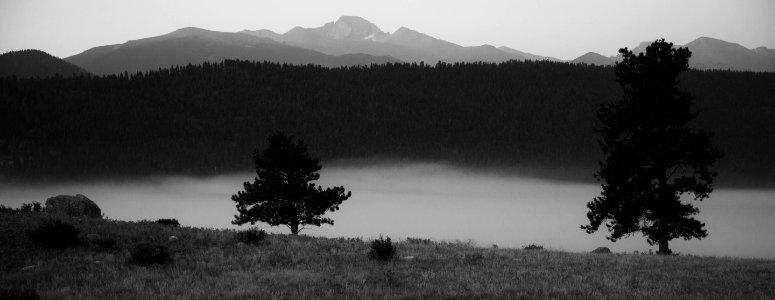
36,63
352,40
715,54
191,45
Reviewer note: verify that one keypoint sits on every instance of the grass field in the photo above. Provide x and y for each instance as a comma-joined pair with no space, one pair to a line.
210,264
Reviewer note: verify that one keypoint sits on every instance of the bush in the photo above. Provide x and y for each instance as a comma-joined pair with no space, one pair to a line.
18,294
103,244
6,210
472,258
54,234
533,247
25,208
145,254
31,207
382,250
170,222
252,236
419,241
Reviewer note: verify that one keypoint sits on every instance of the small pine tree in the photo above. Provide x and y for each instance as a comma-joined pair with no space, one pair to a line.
382,249
283,192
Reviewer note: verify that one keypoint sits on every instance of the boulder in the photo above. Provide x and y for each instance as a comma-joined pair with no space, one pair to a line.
602,250
172,238
73,206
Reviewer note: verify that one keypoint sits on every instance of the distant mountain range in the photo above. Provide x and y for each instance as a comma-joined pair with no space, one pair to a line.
351,34
353,40
707,54
194,46
35,63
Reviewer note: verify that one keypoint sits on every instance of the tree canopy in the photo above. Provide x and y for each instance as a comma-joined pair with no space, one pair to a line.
652,155
201,120
283,192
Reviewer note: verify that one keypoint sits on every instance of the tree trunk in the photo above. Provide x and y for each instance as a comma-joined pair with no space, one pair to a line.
663,249
294,227
662,212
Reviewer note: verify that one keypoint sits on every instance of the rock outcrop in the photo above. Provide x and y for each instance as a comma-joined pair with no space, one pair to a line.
73,206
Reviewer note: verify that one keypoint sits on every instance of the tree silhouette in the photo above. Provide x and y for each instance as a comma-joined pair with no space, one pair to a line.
283,192
652,156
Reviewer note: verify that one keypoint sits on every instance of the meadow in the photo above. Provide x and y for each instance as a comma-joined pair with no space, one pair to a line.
212,263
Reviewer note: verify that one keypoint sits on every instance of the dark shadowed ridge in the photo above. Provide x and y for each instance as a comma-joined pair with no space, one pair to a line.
195,46
35,63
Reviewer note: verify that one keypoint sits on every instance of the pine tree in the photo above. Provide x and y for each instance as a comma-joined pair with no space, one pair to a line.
652,156
283,192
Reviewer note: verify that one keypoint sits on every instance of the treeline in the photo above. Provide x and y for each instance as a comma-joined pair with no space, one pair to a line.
207,119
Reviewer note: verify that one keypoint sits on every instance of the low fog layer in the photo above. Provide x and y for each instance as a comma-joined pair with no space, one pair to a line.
431,201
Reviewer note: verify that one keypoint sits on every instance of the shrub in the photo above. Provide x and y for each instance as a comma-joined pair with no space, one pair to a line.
145,254
18,294
54,234
472,258
533,247
170,222
419,241
6,210
103,244
31,207
252,236
382,249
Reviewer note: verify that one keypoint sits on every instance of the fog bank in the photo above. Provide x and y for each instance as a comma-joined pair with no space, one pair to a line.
431,201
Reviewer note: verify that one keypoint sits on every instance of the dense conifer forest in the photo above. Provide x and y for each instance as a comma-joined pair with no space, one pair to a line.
529,117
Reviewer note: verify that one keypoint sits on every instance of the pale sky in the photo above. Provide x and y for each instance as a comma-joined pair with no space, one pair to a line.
564,29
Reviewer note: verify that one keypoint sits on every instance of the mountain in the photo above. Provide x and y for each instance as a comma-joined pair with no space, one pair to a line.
352,40
351,34
710,53
194,46
35,63
527,55
348,35
592,58
765,52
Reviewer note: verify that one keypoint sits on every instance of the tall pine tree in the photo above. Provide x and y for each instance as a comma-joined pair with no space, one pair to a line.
652,156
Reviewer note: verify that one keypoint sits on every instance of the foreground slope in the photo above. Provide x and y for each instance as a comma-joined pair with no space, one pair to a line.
209,263
35,63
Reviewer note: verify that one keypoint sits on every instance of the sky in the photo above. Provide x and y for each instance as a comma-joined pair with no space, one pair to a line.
563,29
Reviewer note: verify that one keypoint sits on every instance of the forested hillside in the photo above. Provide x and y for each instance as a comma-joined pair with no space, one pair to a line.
535,117
35,63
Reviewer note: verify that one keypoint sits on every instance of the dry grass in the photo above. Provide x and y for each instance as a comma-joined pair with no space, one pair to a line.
209,264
